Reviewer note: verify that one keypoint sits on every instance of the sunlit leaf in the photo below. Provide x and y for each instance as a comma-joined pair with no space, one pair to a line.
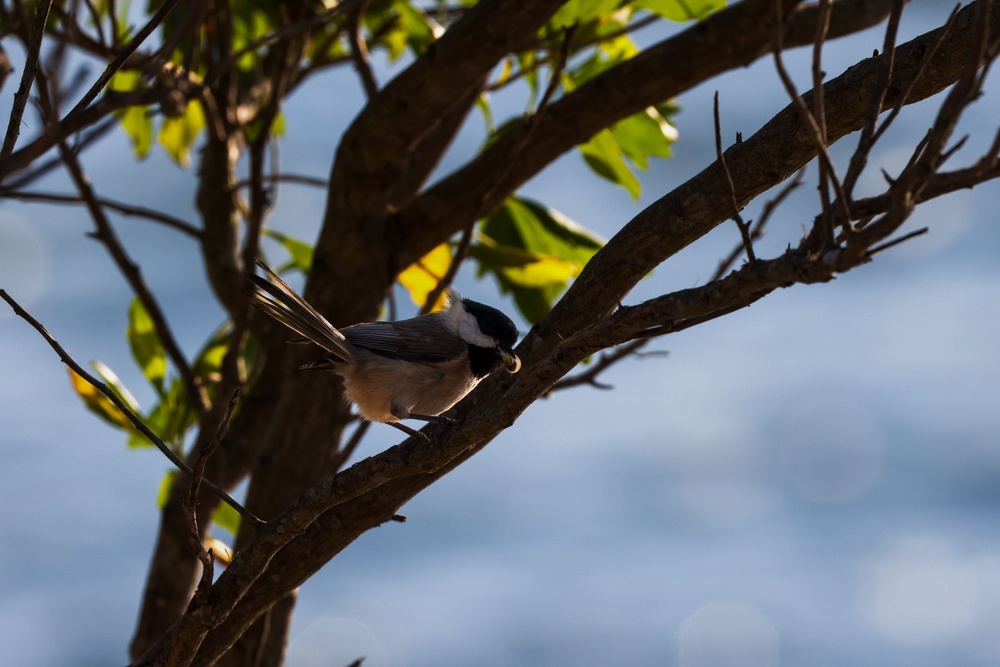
170,419
163,491
681,10
147,349
644,135
605,157
136,121
249,23
177,135
424,275
98,403
521,267
226,517
208,364
156,420
398,26
483,104
581,11
300,252
534,252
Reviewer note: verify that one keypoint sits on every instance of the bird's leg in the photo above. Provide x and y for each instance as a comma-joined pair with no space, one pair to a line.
409,431
436,419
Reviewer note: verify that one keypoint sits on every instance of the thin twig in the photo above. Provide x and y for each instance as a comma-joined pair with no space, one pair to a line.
106,234
27,76
461,252
122,57
530,124
300,179
894,242
819,113
55,162
125,209
757,231
131,416
921,68
190,505
359,50
282,33
808,118
604,37
866,138
744,227
605,361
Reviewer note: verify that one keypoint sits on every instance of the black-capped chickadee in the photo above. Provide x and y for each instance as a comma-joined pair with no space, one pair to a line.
410,369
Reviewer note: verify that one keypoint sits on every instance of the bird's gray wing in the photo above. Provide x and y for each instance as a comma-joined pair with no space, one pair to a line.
405,340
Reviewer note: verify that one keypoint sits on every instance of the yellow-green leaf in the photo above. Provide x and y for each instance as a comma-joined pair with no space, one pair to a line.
681,10
301,253
424,275
580,11
177,135
136,121
98,403
147,349
603,154
644,135
226,517
163,492
522,267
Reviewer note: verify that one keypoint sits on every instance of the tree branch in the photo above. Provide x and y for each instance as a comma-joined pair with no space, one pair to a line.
27,76
626,89
133,419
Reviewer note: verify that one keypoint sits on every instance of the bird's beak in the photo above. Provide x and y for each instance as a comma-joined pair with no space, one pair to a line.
511,363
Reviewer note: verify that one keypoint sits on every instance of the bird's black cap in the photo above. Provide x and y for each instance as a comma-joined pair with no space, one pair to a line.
492,322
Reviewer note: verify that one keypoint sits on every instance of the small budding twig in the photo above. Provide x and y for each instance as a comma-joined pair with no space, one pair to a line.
205,556
757,230
737,218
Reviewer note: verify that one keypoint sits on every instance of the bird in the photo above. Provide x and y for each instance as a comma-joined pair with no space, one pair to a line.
408,369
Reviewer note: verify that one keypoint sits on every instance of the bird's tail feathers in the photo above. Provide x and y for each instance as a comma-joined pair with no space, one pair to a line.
280,301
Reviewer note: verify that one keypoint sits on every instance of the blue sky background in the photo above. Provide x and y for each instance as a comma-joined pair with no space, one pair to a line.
811,481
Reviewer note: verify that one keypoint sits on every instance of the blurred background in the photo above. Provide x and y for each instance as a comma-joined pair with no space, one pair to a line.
811,481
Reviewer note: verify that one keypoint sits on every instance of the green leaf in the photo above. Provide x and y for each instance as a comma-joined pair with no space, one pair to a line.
170,419
581,11
163,491
524,223
605,157
534,252
301,253
177,135
681,10
250,22
208,365
227,518
521,267
398,26
136,121
147,349
156,420
644,135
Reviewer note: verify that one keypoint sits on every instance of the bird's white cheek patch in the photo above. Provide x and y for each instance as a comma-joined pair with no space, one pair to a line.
470,333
